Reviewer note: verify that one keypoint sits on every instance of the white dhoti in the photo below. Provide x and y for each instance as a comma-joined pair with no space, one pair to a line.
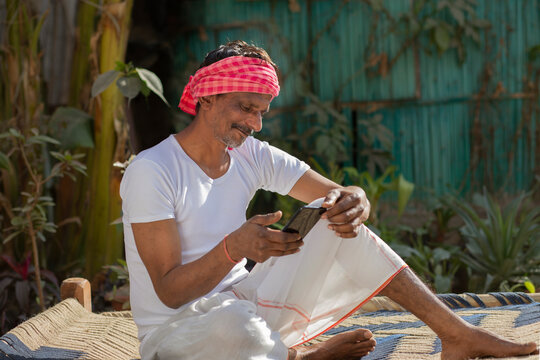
284,301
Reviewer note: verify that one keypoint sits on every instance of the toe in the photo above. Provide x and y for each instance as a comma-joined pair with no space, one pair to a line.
363,334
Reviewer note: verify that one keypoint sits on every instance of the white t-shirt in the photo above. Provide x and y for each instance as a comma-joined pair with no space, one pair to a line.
163,182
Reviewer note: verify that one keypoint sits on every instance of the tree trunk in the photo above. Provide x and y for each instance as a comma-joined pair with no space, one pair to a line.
103,241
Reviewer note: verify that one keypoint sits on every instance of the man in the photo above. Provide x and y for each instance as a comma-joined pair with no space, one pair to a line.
186,237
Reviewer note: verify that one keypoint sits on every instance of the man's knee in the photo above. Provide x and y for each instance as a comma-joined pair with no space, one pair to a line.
239,322
230,331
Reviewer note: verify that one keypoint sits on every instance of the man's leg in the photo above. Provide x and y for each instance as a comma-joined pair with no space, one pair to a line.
460,340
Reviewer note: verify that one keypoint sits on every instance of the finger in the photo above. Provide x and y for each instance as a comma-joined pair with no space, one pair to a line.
267,219
344,204
345,228
284,246
277,236
283,253
331,198
352,214
348,234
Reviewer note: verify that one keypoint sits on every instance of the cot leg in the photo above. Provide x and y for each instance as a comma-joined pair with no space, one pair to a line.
78,288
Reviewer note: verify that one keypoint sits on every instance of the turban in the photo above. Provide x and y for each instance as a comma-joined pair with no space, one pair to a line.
232,74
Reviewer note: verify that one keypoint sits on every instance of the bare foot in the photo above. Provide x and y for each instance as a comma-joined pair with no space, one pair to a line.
480,343
348,345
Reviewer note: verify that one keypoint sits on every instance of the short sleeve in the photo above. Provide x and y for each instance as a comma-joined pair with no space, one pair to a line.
280,169
147,192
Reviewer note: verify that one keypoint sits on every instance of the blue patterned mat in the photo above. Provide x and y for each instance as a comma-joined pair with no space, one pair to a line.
401,335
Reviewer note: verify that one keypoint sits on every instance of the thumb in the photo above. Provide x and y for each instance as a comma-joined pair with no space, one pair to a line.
267,219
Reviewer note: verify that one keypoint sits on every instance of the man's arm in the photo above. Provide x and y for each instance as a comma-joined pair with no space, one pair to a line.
347,207
158,244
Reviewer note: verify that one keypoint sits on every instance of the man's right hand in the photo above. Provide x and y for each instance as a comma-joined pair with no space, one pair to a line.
255,241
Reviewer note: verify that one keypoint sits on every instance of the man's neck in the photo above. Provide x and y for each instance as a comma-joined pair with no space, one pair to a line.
208,153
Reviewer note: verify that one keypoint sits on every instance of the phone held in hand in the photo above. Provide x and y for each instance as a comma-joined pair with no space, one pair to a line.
303,220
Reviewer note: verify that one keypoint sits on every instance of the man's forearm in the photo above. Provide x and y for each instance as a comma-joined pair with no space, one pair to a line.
187,282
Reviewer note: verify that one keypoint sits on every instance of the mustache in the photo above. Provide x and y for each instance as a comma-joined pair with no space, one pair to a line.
243,129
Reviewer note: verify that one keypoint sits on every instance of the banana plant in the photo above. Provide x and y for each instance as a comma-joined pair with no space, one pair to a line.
130,80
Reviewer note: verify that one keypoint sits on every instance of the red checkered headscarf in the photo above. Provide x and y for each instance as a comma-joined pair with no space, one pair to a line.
232,74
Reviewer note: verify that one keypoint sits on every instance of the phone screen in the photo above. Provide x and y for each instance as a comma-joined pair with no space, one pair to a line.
303,220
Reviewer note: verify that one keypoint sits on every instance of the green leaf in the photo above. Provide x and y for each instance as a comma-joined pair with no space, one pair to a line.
36,32
458,15
74,128
17,221
103,81
440,254
42,139
405,190
152,81
120,66
16,133
430,24
471,32
442,283
129,86
40,236
5,163
404,251
442,38
11,236
529,286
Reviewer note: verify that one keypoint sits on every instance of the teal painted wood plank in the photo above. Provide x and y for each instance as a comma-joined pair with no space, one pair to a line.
433,145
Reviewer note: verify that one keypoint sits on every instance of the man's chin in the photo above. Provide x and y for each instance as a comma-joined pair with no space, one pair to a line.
234,143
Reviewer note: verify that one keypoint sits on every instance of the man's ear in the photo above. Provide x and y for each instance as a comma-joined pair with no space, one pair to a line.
207,101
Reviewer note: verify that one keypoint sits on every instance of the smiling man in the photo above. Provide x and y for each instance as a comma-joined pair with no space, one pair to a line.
187,238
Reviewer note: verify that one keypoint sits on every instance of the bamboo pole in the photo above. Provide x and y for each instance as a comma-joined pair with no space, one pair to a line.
104,242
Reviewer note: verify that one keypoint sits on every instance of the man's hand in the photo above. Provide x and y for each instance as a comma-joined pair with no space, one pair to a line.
348,208
257,242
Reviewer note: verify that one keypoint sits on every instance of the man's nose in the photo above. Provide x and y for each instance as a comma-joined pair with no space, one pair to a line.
254,121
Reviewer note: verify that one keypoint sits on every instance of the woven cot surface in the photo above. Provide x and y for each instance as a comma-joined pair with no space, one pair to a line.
68,331
402,336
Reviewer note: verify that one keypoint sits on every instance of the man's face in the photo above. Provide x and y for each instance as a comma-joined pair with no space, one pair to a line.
235,116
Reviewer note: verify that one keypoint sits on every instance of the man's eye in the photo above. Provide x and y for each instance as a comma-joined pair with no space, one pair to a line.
245,108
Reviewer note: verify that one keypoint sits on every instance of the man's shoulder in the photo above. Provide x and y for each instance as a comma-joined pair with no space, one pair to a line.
159,153
158,157
252,145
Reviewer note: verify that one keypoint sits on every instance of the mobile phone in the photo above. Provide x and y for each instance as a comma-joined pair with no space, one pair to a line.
303,220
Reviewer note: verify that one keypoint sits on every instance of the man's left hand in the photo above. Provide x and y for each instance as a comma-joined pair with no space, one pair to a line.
348,208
